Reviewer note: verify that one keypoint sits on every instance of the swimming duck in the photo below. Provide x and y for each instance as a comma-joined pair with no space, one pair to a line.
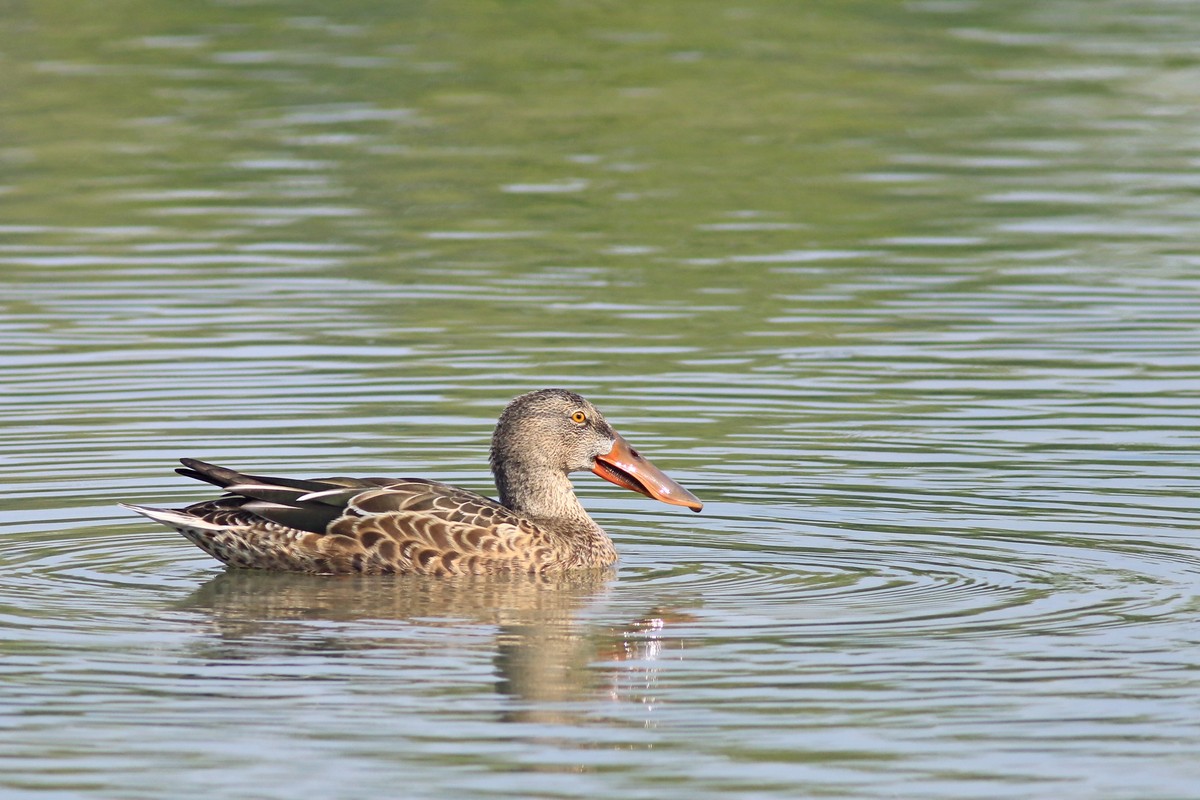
412,525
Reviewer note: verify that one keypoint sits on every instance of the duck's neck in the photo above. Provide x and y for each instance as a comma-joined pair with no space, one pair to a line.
542,495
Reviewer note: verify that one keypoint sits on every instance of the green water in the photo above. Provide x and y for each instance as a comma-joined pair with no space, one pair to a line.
907,293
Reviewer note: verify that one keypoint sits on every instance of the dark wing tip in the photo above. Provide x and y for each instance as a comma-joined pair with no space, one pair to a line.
209,473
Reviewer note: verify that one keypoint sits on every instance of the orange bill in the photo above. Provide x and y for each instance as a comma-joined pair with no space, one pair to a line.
625,467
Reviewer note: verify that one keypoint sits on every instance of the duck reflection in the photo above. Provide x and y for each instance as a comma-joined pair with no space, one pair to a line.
546,656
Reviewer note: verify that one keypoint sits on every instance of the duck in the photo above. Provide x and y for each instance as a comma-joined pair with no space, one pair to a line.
343,525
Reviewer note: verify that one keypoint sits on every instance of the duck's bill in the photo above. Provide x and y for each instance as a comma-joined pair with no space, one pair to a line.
625,467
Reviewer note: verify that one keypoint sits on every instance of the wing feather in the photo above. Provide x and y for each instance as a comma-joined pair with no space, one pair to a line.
364,525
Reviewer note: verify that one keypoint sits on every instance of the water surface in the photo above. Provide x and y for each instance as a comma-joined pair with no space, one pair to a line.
907,293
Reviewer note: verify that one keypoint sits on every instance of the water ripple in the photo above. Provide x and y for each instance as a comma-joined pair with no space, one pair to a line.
824,583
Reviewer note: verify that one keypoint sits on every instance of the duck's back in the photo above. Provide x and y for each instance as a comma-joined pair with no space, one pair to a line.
362,525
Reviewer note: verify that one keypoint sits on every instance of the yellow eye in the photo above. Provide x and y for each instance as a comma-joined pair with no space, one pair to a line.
579,417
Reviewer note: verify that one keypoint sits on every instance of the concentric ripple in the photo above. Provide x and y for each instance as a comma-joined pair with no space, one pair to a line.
803,581
73,583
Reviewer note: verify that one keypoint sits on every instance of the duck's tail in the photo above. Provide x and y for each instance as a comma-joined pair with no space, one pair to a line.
173,518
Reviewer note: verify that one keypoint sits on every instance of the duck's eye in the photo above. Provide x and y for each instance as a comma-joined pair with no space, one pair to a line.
579,417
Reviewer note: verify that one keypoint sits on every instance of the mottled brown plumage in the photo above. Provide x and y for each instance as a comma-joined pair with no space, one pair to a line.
410,525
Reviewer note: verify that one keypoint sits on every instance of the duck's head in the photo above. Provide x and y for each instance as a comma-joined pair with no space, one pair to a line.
557,430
